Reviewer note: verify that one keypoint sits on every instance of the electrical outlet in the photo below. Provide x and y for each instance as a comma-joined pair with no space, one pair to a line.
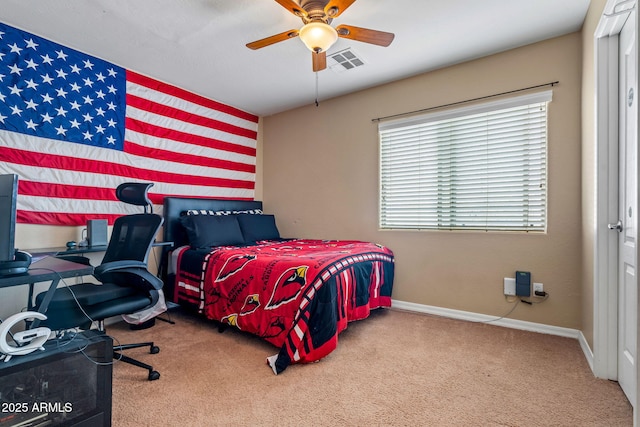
509,286
538,287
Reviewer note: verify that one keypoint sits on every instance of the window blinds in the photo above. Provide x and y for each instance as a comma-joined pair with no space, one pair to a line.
482,167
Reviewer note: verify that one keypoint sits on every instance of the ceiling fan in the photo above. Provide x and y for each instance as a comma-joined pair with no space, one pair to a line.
317,34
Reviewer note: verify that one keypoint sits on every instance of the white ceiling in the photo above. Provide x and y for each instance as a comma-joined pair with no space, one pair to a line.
199,45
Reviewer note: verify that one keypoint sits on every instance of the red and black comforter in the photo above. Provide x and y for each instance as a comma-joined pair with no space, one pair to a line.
296,294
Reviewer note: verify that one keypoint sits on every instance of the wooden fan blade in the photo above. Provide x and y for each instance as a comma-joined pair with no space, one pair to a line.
273,39
319,61
292,7
366,35
334,8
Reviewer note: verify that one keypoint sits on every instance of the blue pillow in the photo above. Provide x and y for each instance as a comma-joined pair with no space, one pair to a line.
205,231
258,227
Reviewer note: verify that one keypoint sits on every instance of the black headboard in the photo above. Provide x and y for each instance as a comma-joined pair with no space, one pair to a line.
174,207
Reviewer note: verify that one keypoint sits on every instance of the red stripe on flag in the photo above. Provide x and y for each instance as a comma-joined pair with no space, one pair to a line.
174,135
188,96
63,191
171,156
108,168
48,218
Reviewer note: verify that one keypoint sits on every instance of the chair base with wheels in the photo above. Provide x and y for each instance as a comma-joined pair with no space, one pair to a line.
118,355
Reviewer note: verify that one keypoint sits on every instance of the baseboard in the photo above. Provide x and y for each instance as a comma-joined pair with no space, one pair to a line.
494,320
588,353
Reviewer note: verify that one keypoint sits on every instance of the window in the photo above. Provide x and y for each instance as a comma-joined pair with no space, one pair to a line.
482,167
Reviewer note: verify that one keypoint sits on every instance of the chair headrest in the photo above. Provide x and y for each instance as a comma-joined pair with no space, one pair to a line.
134,193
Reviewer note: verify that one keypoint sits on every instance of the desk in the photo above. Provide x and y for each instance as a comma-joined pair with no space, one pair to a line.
63,250
79,250
46,269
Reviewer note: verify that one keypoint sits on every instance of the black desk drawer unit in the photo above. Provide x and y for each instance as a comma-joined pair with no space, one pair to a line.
67,384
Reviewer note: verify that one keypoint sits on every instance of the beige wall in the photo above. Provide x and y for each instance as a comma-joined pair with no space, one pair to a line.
320,170
588,165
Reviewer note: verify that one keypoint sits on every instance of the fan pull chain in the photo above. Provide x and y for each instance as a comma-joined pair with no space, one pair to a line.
317,103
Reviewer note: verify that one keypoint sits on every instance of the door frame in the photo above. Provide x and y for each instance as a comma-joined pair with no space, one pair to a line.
605,316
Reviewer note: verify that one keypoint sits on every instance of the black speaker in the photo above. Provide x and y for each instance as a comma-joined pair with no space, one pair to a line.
19,265
97,232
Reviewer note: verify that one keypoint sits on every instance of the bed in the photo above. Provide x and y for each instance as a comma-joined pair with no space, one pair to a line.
229,264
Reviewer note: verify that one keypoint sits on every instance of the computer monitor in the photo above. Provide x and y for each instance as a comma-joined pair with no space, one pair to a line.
8,206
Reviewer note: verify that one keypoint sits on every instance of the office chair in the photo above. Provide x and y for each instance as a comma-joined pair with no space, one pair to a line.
126,285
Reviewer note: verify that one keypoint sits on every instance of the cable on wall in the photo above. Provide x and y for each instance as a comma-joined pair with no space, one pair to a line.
317,103
552,84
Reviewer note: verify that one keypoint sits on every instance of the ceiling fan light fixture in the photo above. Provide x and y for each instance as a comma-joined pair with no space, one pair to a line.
318,36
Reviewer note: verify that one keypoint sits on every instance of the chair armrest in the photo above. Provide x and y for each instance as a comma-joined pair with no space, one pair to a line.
108,267
136,268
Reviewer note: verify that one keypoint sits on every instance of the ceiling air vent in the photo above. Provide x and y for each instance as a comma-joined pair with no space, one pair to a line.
343,60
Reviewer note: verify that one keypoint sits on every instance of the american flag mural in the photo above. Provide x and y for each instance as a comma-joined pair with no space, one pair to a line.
74,127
